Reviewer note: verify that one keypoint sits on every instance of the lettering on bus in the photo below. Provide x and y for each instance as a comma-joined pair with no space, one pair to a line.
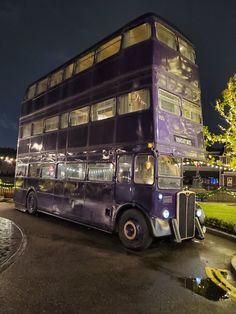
183,140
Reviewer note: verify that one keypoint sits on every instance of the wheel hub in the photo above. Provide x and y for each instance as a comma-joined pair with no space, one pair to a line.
130,230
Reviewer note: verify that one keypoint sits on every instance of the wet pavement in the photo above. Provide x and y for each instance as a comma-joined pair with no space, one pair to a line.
11,241
68,268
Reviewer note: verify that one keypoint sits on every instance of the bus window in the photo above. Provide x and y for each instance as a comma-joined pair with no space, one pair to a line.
42,86
61,171
26,130
31,91
68,71
169,102
166,36
108,49
103,110
124,170
169,172
144,169
34,170
37,127
64,120
76,171
186,50
191,111
79,116
21,170
84,62
48,171
100,172
137,34
134,101
56,78
51,124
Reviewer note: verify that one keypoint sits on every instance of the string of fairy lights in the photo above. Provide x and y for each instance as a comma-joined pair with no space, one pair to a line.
7,159
209,163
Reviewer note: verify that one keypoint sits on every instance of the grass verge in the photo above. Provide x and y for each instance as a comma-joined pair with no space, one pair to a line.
221,216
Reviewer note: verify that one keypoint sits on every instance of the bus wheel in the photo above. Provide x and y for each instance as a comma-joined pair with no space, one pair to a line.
31,203
133,230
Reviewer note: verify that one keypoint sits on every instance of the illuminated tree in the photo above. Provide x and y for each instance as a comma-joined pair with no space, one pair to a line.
226,107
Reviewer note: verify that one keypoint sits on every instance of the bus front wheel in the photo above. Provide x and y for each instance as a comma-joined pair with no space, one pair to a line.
31,203
133,230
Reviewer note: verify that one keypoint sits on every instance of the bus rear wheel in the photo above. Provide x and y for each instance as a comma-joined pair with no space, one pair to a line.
31,203
133,230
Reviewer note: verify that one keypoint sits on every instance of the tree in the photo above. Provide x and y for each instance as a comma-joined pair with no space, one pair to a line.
226,107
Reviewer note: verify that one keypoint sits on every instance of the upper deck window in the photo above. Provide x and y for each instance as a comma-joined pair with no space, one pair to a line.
166,36
103,110
169,102
108,49
191,111
79,116
68,71
37,127
51,124
42,86
137,34
26,130
134,101
56,78
186,50
64,120
84,62
31,91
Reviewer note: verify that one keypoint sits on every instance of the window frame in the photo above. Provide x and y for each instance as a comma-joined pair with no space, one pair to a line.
167,31
159,90
96,107
76,178
131,168
88,113
100,163
154,171
51,130
119,113
125,45
105,45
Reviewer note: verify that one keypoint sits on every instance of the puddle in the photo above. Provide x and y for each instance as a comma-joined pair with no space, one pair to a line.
205,288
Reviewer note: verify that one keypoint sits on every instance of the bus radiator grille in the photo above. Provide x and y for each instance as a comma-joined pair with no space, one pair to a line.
185,214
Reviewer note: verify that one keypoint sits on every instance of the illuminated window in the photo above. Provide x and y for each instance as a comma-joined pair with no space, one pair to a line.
191,111
56,78
79,116
76,171
137,34
34,170
100,172
61,171
42,86
108,49
103,110
64,120
37,127
48,171
31,91
21,170
84,62
166,36
144,169
169,172
68,71
26,130
169,102
124,169
186,50
51,124
134,101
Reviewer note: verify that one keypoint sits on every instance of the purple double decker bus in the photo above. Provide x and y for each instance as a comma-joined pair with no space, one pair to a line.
102,137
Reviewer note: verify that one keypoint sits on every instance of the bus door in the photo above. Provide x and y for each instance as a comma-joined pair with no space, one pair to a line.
124,185
99,194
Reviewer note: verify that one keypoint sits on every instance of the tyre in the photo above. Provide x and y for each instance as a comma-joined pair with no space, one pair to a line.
31,203
133,230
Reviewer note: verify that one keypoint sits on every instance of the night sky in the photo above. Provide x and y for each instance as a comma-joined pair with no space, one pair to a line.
37,36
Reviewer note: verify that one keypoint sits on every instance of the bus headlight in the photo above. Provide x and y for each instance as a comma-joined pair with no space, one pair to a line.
160,196
199,212
165,213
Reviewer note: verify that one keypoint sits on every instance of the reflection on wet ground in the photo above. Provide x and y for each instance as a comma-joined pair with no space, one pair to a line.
204,287
10,239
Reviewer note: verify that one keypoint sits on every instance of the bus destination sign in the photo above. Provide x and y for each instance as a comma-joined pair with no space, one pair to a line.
183,140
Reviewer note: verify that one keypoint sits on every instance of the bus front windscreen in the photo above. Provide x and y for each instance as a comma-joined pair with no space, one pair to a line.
169,172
